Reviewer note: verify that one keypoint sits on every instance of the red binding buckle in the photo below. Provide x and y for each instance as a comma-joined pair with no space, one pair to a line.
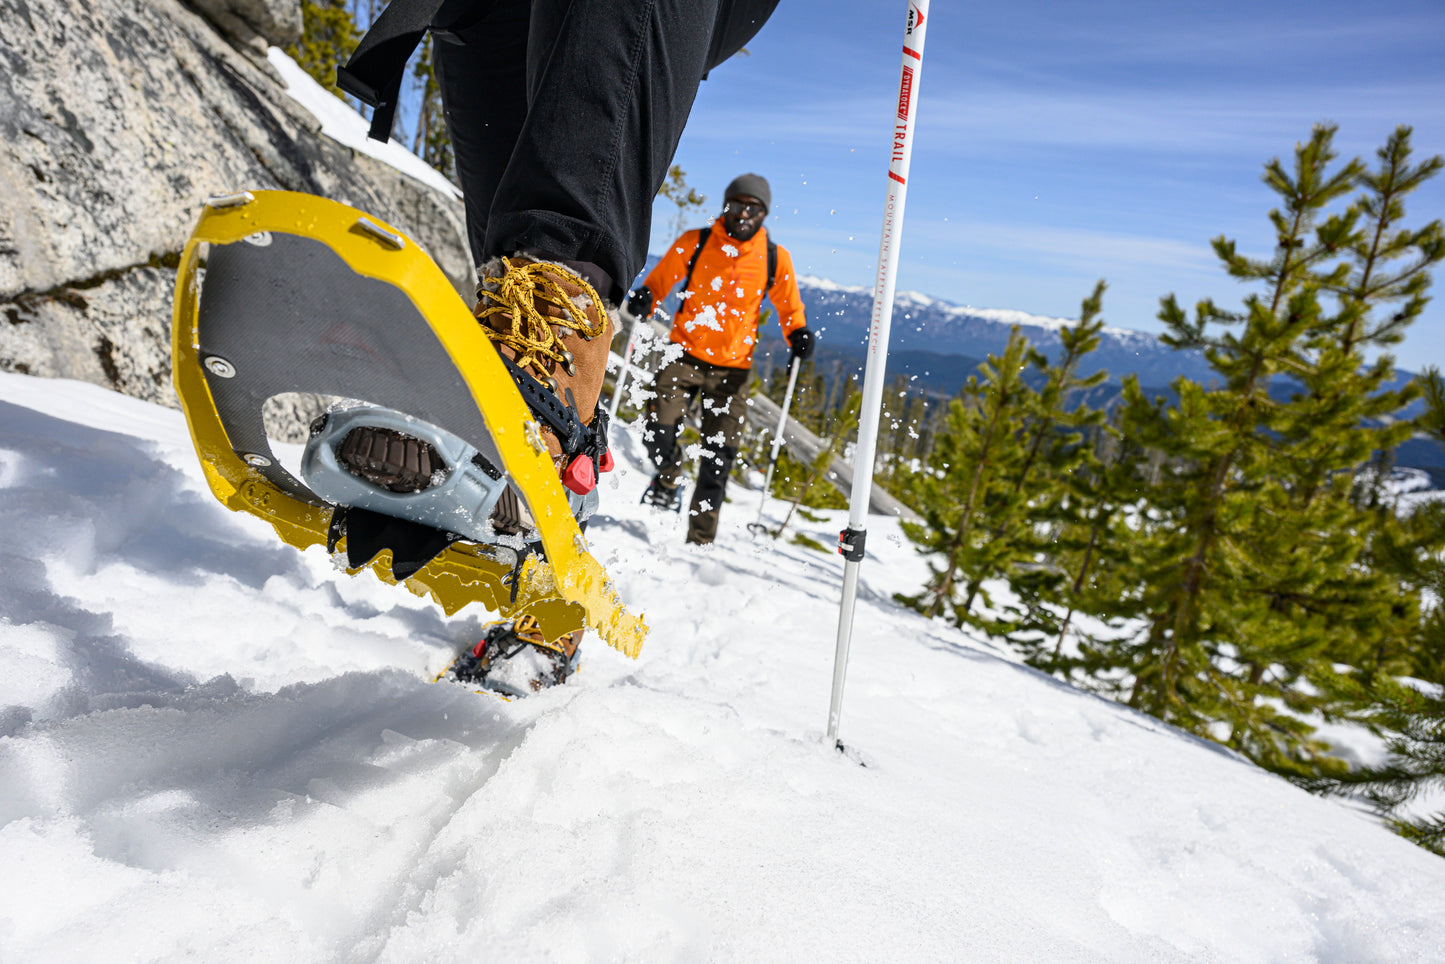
579,476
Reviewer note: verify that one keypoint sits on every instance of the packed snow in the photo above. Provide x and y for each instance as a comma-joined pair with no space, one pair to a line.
214,746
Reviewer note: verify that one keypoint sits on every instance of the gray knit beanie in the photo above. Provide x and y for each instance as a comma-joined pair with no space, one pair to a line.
753,185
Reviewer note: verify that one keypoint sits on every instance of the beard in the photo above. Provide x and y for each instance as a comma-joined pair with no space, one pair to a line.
741,230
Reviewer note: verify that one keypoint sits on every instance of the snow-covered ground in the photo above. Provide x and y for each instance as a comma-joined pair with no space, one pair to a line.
214,746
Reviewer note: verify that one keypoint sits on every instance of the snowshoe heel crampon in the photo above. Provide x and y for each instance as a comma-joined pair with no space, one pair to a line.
514,659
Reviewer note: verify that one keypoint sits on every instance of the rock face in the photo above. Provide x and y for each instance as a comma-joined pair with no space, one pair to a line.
117,119
248,21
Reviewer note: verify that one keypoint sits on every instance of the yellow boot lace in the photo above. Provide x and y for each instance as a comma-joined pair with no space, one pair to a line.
517,294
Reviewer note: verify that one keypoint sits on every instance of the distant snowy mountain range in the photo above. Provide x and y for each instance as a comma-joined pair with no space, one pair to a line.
940,344
922,324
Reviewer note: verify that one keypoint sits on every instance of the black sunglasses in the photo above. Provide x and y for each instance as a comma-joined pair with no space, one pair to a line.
746,209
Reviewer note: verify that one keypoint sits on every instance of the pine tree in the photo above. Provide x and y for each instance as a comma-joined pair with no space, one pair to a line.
1253,554
975,451
328,36
1093,554
1027,507
1411,713
1345,416
1222,507
1375,278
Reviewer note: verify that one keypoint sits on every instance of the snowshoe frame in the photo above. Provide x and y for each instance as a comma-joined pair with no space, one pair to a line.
567,591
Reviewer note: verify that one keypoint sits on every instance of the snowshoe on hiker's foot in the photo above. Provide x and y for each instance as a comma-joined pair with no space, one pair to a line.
445,462
663,496
552,331
514,659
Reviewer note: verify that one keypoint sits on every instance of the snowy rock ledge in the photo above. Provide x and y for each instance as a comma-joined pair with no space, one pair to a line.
117,119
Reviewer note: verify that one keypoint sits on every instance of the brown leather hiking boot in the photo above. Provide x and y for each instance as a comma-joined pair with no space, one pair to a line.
552,323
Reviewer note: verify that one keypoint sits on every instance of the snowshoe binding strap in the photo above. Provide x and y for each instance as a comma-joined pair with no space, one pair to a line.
563,420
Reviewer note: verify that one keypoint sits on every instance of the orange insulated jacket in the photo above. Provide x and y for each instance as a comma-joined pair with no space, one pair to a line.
717,321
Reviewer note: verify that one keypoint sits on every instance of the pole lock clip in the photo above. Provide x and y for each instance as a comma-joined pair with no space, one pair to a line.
851,542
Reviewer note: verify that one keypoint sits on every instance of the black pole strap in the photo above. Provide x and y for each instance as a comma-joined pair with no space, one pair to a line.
374,72
851,542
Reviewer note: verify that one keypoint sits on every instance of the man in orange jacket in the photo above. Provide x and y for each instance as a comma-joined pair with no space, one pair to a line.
727,270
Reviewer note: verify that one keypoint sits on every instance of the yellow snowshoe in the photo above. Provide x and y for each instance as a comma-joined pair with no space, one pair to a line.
430,469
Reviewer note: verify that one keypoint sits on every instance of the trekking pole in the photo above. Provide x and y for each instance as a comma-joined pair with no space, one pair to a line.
851,540
621,381
777,442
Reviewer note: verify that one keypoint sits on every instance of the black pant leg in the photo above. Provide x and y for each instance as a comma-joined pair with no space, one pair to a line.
565,114
483,81
609,85
608,88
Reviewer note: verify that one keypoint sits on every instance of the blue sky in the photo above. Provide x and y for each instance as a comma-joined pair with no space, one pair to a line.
1060,143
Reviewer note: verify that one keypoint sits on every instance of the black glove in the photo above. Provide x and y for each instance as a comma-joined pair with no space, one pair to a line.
639,303
801,342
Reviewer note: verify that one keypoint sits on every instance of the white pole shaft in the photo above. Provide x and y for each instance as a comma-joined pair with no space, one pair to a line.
874,373
778,437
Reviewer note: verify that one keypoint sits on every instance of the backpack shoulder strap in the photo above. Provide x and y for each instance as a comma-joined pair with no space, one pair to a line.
697,253
702,242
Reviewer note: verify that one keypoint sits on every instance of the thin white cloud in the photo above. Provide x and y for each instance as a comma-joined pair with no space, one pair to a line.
1262,121
1072,247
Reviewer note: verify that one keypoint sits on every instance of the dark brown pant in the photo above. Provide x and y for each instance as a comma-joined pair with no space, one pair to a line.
723,392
